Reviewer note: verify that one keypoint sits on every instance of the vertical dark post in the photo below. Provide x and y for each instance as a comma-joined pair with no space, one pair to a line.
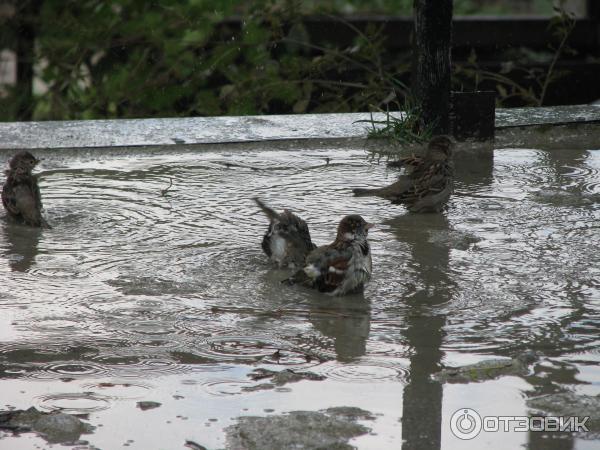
593,10
431,82
423,396
25,17
593,13
422,399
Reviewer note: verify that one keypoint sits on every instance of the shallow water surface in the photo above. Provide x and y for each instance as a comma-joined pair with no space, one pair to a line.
138,296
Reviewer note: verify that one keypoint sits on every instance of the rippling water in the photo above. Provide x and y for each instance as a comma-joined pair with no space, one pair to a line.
137,295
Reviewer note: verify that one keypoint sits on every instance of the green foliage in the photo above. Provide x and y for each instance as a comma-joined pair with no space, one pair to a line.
562,25
400,128
135,58
139,58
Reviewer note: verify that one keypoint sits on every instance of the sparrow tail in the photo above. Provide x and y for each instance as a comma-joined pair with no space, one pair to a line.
390,192
360,192
269,212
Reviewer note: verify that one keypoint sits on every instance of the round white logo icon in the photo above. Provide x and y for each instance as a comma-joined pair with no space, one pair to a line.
465,423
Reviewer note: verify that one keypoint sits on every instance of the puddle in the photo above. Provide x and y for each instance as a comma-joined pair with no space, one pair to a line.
134,296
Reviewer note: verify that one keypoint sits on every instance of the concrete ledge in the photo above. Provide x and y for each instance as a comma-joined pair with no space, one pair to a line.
551,115
222,130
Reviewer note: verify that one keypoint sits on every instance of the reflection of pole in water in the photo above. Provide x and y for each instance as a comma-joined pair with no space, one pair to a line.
422,400
550,441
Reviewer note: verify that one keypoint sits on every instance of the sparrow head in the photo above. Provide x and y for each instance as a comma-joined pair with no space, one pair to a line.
440,147
23,162
353,227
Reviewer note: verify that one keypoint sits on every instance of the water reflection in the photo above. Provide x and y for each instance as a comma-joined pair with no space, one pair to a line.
346,321
569,179
568,168
21,245
422,403
474,168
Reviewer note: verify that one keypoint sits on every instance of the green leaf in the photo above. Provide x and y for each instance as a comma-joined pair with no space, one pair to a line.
207,103
254,34
196,37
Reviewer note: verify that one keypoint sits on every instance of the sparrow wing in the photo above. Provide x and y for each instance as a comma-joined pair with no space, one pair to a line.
415,167
326,266
37,194
27,202
295,230
429,191
8,198
431,203
336,271
409,162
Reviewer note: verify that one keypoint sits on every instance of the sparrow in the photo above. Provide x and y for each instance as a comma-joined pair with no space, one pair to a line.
343,266
287,240
21,194
427,182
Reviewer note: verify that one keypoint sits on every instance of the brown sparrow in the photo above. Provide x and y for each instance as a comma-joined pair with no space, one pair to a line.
21,194
427,182
343,266
287,240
